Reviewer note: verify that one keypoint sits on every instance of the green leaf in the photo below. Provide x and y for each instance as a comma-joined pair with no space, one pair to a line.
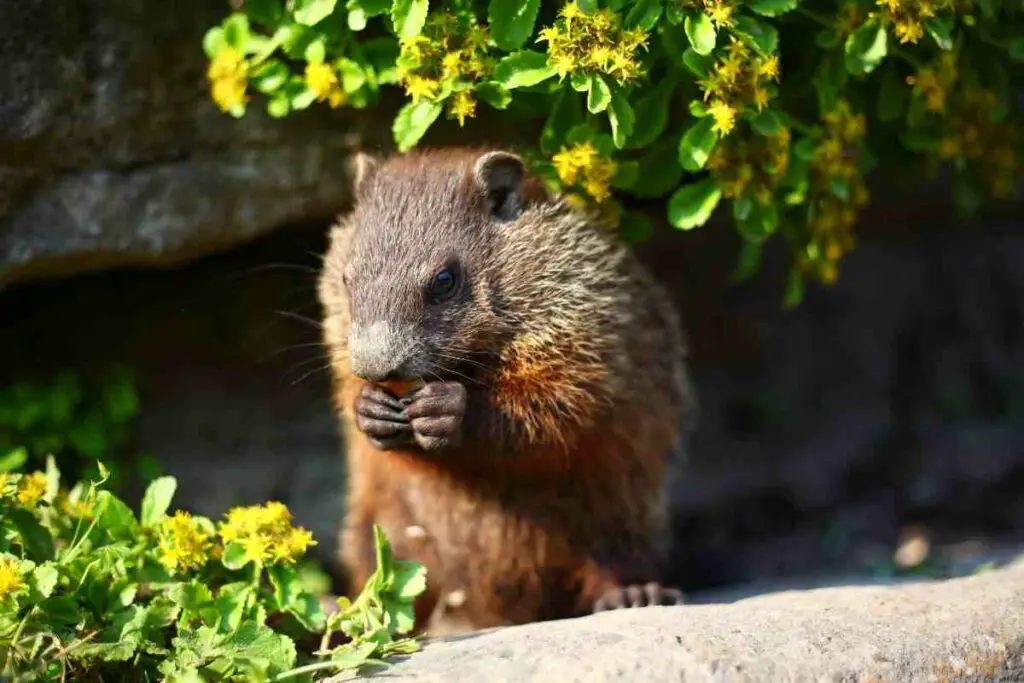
892,96
115,518
410,580
696,144
266,12
660,171
35,538
699,65
408,17
698,109
772,8
939,30
840,188
674,13
759,35
494,94
692,205
316,51
44,580
621,118
270,76
767,123
523,69
701,32
794,289
651,113
190,597
412,122
231,604
13,459
310,12
758,222
61,609
643,14
748,263
511,21
565,113
157,499
213,41
236,31
827,38
866,48
599,94
1016,49
234,556
829,80
278,106
309,612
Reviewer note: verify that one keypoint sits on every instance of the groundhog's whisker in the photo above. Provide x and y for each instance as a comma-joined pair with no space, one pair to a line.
307,375
290,347
301,318
444,368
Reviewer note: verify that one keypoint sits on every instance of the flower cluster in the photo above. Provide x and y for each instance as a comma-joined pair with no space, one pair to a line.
322,81
11,580
450,54
933,82
582,164
751,165
909,17
579,42
837,191
31,488
719,11
266,533
974,133
739,79
183,543
228,76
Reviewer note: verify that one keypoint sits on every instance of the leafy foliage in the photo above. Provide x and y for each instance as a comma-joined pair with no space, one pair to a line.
776,109
89,591
76,418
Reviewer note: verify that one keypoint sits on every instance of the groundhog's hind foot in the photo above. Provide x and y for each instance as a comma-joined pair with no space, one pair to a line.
636,595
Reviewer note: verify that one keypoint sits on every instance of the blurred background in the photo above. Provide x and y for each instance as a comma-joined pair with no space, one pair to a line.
157,310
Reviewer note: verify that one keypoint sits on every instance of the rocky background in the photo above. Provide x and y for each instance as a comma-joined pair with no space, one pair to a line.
139,225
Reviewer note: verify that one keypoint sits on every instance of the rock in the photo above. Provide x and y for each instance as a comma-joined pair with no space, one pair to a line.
966,630
112,154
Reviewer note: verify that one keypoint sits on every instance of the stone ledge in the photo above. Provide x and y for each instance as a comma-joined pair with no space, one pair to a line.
968,629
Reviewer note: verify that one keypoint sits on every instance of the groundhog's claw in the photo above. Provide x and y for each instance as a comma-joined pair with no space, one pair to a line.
435,413
647,595
383,419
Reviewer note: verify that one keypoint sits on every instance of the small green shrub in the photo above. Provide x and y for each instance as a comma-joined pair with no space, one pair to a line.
90,592
778,107
78,419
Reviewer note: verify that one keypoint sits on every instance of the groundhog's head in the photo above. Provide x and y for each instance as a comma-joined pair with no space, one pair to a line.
412,266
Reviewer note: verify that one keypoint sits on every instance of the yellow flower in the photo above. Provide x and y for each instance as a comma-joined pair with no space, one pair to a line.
227,74
11,581
581,42
323,83
769,67
724,115
419,88
266,533
183,543
569,162
31,488
720,12
598,179
463,106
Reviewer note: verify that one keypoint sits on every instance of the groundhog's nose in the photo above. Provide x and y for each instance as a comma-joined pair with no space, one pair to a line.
381,352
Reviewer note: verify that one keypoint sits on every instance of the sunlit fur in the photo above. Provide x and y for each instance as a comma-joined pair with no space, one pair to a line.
570,352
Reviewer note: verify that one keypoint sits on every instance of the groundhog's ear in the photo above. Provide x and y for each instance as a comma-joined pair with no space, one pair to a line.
361,168
500,176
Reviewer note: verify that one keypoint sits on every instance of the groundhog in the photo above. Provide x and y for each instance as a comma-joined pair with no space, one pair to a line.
511,384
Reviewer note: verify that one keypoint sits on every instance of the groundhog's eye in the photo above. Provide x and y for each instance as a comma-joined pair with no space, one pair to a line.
443,284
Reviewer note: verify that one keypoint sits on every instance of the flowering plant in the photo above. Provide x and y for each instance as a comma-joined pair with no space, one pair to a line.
88,591
778,108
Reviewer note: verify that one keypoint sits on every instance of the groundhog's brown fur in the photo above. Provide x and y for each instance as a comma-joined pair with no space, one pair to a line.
573,366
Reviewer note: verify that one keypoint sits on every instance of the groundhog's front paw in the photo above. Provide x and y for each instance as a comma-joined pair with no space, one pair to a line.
647,595
383,419
435,413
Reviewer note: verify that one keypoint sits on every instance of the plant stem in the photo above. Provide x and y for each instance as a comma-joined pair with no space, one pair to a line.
815,17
